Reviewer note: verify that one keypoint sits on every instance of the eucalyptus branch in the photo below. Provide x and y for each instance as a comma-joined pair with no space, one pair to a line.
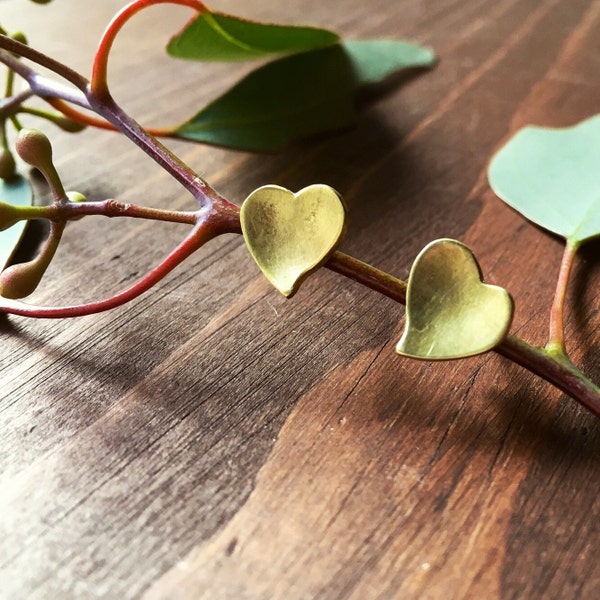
23,50
215,216
557,370
10,104
106,208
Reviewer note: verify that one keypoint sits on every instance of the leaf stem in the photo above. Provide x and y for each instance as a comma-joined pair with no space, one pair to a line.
98,82
556,341
555,368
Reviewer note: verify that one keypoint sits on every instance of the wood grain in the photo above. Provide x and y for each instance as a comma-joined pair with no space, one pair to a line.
213,440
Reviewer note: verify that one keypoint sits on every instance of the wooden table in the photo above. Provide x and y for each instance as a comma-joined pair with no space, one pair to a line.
214,440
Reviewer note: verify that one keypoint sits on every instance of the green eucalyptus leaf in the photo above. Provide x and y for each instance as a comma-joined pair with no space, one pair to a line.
213,36
552,177
15,191
375,60
300,95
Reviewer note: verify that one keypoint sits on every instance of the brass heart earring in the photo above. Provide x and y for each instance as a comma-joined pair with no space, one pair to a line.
291,235
450,312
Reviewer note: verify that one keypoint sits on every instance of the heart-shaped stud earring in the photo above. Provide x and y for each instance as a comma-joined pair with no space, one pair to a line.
450,312
291,235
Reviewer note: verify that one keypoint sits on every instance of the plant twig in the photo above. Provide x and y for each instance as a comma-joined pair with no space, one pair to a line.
365,274
10,104
99,83
105,208
557,369
205,230
556,341
25,51
41,86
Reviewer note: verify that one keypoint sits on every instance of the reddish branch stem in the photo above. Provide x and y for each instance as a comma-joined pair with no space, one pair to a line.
101,100
99,83
205,230
556,369
365,274
106,208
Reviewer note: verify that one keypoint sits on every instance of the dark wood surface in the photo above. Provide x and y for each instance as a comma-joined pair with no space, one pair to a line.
214,440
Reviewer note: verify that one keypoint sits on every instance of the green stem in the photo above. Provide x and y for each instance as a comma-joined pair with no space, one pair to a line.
10,80
555,368
556,341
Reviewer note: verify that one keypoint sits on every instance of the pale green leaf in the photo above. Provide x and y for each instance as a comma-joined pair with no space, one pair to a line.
552,177
375,60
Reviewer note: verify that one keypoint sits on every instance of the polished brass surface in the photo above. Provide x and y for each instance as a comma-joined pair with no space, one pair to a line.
291,235
450,312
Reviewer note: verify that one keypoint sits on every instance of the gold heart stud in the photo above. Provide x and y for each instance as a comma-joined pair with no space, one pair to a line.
291,235
450,312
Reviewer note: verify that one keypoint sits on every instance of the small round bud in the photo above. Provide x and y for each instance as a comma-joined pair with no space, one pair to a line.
20,280
34,148
76,197
19,36
8,167
41,1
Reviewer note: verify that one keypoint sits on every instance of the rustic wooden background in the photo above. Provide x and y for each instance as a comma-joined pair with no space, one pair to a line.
213,440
